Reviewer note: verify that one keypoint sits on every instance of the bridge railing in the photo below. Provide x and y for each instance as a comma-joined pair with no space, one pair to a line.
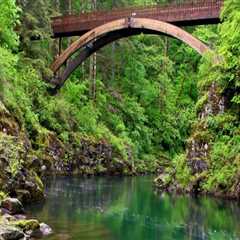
167,12
194,4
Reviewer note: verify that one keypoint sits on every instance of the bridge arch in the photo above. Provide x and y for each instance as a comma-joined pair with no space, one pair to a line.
95,39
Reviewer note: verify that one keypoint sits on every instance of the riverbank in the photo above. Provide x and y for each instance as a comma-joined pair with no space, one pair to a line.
15,225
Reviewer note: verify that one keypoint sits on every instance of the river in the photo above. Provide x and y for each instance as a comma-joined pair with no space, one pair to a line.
112,208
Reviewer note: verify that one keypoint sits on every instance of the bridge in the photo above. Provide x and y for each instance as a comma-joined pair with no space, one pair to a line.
99,28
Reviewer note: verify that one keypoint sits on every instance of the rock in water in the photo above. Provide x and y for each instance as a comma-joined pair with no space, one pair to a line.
10,233
42,231
45,229
12,205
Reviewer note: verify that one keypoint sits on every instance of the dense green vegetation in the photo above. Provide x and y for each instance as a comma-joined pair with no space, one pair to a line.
140,123
149,91
220,130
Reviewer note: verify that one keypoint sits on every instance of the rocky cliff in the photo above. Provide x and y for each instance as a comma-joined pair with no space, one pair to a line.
212,160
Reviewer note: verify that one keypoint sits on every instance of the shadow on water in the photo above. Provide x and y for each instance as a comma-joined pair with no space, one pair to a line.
128,209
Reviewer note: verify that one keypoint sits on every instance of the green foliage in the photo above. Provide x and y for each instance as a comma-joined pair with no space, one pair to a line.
220,131
224,154
2,196
201,103
35,32
23,97
137,112
7,68
183,172
8,20
226,149
145,99
230,48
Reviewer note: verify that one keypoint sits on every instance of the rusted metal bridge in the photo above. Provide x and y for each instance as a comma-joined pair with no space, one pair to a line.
187,13
97,29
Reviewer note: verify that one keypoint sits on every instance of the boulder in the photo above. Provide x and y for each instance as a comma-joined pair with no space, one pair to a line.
23,195
12,205
10,233
35,163
30,227
20,217
45,229
163,181
42,231
6,218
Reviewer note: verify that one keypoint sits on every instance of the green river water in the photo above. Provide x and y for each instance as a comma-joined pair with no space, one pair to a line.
111,208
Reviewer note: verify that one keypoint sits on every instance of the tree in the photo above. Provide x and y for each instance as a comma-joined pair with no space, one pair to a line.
9,16
35,35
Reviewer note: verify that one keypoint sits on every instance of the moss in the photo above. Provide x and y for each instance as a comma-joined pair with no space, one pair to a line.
183,172
201,135
8,124
201,102
163,181
27,225
12,149
38,181
100,169
3,195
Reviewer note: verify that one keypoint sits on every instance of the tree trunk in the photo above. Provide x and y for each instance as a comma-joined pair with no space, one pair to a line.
113,59
69,12
93,64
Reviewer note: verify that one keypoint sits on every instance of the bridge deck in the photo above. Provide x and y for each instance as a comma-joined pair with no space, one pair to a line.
194,12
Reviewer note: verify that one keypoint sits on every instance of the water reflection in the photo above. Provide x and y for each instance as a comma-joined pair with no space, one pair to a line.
127,209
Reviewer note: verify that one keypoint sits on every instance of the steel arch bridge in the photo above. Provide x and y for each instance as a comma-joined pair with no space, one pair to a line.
98,29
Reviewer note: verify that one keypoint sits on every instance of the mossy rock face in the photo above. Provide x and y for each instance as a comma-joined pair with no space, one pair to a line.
38,182
8,124
16,178
212,160
51,145
12,153
51,151
201,103
25,186
88,157
100,169
23,195
213,103
197,165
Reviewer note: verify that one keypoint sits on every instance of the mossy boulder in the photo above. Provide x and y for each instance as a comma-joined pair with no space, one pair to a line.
27,225
12,205
163,181
3,195
10,233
